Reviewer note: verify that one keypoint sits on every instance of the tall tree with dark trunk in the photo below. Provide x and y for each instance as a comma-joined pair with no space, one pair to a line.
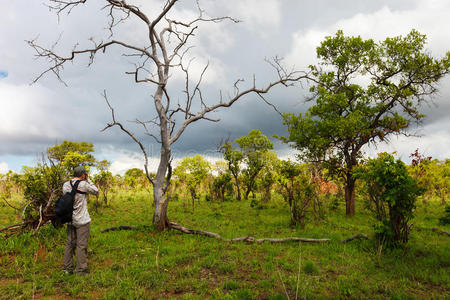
364,92
165,50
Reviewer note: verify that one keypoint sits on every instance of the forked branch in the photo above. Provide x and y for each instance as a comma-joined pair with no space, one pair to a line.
129,133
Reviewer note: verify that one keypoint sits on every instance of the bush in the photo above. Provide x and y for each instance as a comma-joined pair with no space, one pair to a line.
310,268
231,285
445,220
394,193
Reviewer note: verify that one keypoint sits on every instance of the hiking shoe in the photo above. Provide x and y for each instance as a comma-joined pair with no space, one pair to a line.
67,272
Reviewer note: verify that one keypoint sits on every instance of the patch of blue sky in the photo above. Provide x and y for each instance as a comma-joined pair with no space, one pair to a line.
16,162
3,74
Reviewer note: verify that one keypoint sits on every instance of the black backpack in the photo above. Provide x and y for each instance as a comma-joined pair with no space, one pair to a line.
64,205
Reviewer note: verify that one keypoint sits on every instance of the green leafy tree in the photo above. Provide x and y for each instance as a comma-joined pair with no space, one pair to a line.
420,170
440,174
297,189
222,183
234,159
192,171
364,92
103,179
42,185
268,175
253,146
71,154
445,219
432,175
133,177
287,171
391,186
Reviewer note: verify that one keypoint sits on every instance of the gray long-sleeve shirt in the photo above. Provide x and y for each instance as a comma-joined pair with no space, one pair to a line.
80,214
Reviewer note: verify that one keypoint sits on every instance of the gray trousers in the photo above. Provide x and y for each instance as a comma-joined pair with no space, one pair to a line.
77,239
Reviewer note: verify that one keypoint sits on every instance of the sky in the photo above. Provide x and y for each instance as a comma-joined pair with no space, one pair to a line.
36,116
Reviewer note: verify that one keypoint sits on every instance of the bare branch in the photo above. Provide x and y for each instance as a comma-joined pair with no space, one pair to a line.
61,5
270,104
288,79
57,62
10,204
130,134
147,131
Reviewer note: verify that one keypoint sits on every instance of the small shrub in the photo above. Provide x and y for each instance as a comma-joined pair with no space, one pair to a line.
394,193
231,285
175,198
334,202
445,220
310,268
243,295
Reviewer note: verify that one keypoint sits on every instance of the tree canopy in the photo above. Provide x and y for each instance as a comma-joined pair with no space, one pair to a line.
363,92
71,154
253,146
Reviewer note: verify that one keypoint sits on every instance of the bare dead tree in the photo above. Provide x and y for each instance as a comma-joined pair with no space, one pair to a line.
166,50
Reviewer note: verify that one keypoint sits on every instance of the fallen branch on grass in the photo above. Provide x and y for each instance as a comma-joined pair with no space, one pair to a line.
118,228
356,236
440,231
32,224
15,225
437,230
248,239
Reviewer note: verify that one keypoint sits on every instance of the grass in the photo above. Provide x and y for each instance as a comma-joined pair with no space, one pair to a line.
145,264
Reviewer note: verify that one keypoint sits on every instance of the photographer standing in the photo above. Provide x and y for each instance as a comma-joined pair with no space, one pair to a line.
78,229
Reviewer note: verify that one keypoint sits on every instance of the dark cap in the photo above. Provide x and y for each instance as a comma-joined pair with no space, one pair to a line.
78,171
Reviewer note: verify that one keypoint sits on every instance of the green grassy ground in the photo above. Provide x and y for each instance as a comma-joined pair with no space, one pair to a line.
146,264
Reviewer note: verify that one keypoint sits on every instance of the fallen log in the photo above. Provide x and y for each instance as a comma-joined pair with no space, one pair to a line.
15,225
278,240
356,236
437,230
123,227
248,239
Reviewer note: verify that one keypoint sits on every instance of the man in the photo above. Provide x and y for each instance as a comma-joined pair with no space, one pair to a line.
78,229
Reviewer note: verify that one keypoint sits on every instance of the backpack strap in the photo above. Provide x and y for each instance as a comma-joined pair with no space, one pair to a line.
75,188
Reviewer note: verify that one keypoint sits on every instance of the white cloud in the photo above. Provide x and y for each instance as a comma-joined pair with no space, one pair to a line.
434,142
25,111
428,17
124,162
258,16
3,168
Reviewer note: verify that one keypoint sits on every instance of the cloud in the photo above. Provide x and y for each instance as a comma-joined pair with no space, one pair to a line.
434,141
124,162
428,17
3,167
260,17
